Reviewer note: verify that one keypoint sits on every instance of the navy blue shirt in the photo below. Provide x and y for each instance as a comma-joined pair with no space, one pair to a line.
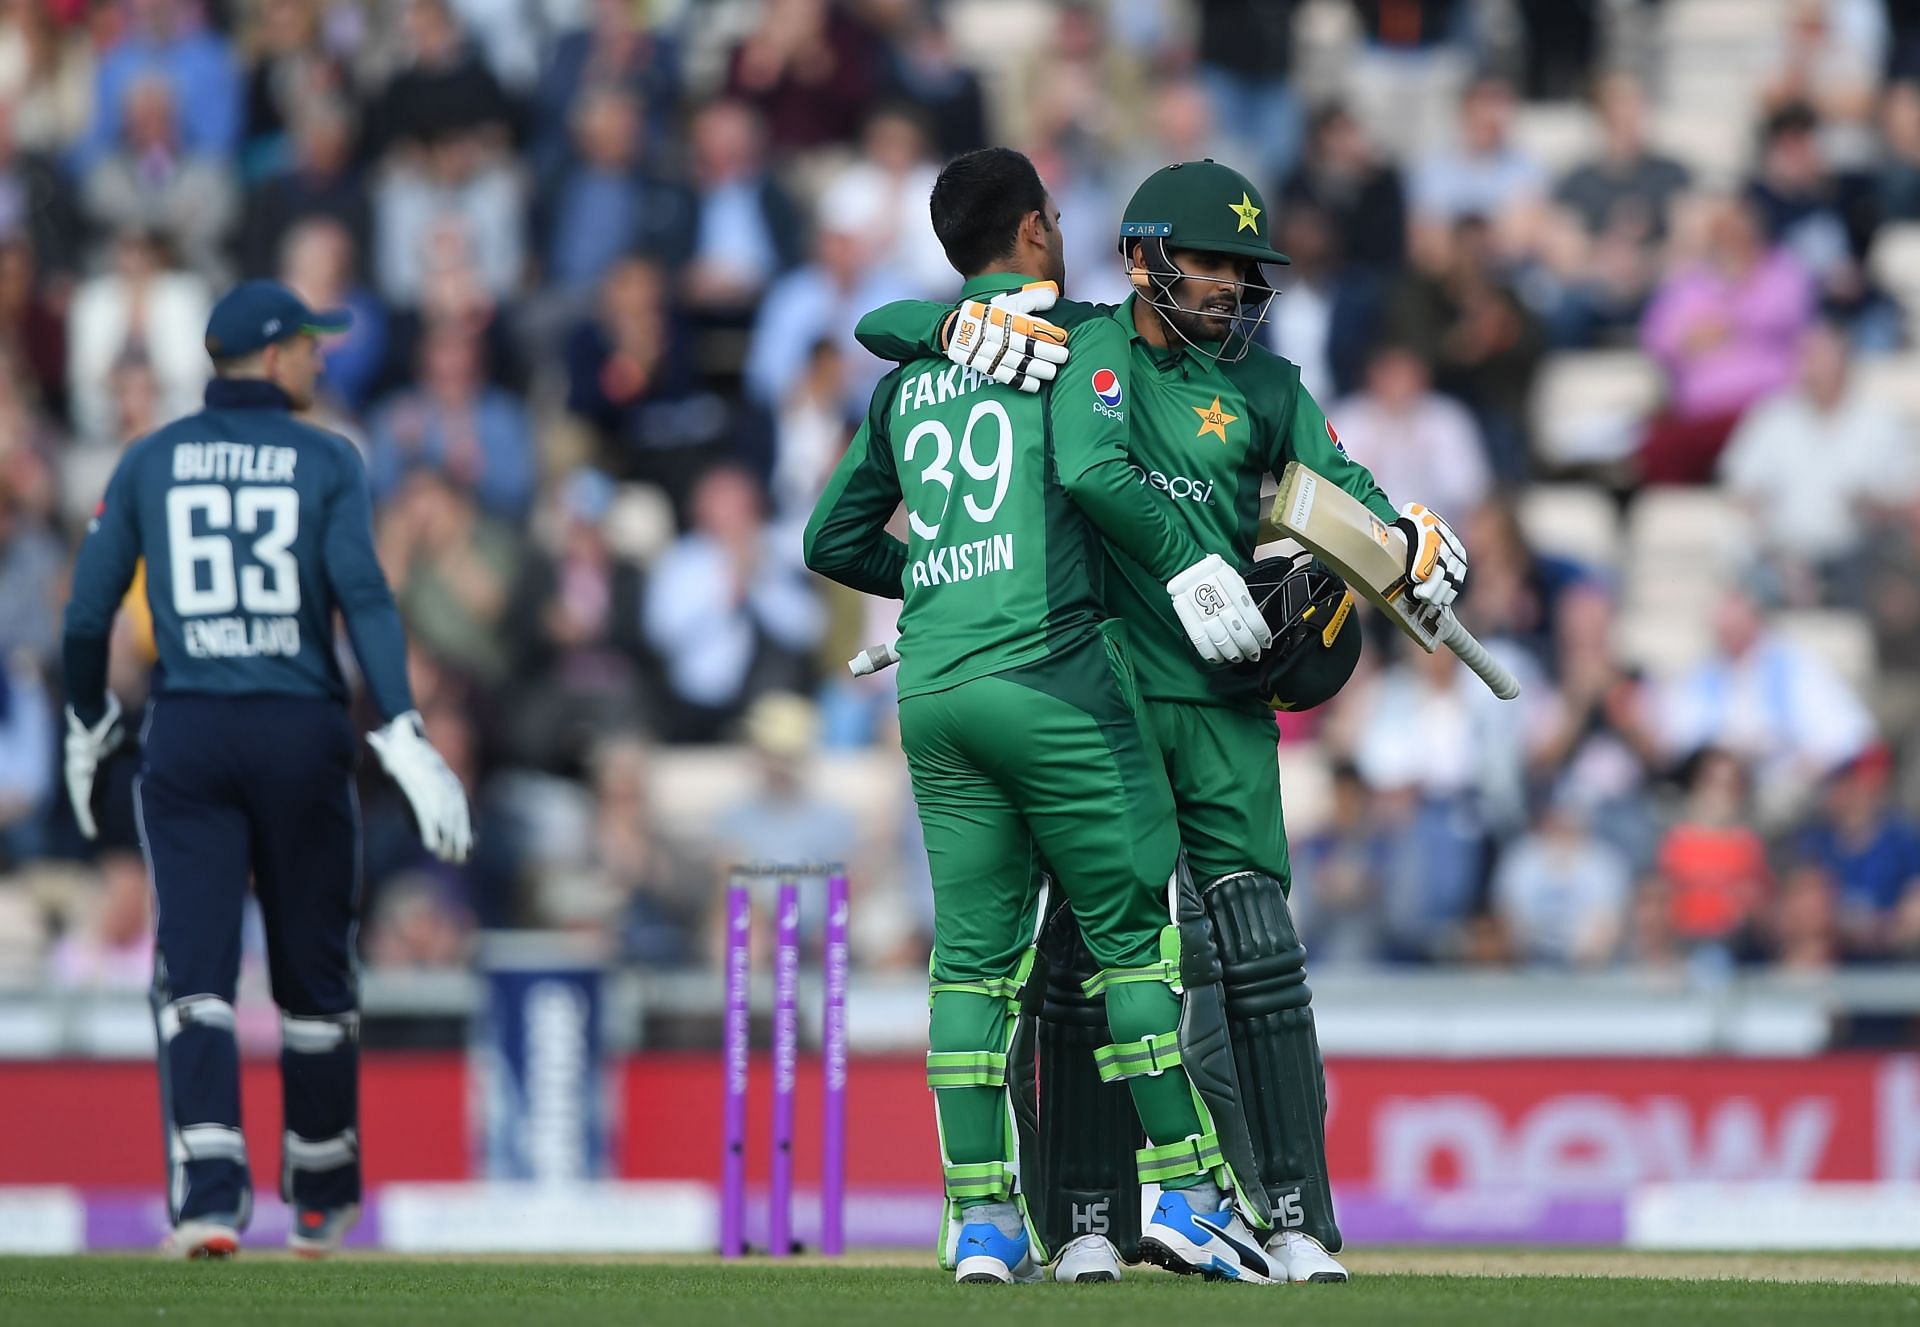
255,527
1875,874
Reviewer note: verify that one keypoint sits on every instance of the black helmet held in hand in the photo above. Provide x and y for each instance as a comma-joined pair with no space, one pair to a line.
1316,635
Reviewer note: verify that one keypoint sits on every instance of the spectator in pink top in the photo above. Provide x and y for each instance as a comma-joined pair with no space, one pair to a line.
1724,326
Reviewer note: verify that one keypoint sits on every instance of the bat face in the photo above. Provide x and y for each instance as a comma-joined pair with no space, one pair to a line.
1369,554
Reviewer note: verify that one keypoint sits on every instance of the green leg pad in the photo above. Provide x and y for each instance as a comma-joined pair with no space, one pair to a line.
1269,1012
1080,1178
973,1120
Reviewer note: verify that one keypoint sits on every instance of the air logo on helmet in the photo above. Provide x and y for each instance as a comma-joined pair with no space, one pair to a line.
1248,213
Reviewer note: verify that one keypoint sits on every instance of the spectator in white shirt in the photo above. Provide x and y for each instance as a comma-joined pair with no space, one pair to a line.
1420,446
1769,701
137,309
827,296
1486,174
730,610
1845,454
1562,893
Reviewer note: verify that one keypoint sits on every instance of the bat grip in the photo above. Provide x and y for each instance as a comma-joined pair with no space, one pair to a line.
874,659
1474,655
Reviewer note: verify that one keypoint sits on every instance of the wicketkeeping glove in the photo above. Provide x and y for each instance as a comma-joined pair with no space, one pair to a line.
439,802
1002,338
1436,559
85,749
1218,612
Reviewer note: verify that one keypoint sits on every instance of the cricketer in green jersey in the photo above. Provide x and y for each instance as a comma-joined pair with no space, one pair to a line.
1212,415
1020,720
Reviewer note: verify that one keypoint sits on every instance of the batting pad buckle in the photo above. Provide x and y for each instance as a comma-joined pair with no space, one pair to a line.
1198,1154
986,1181
1148,1057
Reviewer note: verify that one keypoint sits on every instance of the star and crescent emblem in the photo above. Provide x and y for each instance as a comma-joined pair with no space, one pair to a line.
1213,420
1249,214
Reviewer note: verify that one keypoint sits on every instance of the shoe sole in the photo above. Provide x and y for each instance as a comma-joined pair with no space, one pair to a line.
1093,1278
983,1272
1325,1279
216,1249
1164,1256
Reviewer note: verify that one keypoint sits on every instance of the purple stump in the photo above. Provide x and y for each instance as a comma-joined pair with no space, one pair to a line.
733,1164
833,1055
786,1049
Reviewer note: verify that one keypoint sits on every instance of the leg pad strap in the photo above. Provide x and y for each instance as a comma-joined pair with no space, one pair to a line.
1146,1057
984,1181
966,1069
1190,1156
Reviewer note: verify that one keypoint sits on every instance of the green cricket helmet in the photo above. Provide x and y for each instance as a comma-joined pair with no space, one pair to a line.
1316,634
1205,206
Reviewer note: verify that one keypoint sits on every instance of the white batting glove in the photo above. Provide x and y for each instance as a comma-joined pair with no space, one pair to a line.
1436,559
85,749
1002,338
439,802
1218,612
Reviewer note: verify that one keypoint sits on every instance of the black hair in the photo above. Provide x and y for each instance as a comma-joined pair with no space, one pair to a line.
1796,117
979,202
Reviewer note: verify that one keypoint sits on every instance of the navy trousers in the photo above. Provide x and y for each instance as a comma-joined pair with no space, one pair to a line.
235,789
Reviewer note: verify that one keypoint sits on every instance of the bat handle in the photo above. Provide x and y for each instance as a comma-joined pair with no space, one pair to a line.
1474,655
874,659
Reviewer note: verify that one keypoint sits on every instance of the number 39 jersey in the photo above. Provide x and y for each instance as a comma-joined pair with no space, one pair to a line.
254,528
1006,497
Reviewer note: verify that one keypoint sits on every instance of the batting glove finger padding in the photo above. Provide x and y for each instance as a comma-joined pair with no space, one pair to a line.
1003,340
86,747
439,802
1218,613
1436,559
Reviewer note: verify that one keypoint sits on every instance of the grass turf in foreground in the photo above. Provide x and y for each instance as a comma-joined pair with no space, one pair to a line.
554,1294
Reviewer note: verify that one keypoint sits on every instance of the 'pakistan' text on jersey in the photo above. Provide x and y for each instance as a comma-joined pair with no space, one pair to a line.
254,528
1007,496
1203,435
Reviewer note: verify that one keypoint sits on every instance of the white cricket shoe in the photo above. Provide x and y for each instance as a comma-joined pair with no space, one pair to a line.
317,1232
1216,1245
197,1240
1088,1258
1305,1260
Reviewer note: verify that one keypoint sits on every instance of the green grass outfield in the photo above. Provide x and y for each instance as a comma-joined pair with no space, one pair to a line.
476,1293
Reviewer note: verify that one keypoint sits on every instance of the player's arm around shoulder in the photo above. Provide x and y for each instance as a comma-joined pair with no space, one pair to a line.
904,330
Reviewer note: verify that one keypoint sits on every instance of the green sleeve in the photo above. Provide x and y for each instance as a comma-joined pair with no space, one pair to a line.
846,537
904,330
1312,442
1091,459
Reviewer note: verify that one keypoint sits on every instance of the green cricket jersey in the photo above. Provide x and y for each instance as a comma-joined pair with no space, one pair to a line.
1204,436
1007,495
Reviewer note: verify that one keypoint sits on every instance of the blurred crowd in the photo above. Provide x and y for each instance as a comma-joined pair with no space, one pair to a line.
605,257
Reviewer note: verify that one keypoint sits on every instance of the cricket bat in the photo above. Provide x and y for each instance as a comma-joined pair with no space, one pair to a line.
1371,556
